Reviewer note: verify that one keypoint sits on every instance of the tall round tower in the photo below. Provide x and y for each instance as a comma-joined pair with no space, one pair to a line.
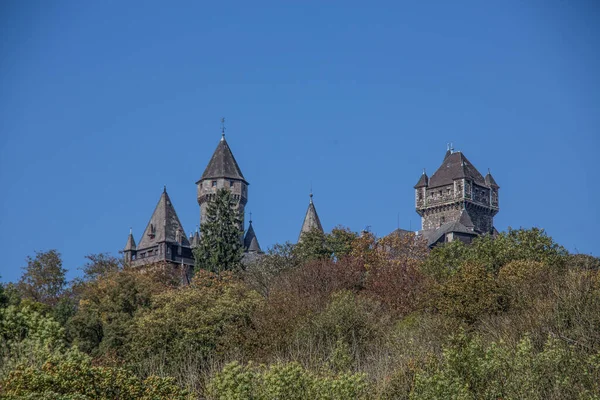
222,171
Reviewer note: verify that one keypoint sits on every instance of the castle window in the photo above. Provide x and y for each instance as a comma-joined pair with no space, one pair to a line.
214,183
231,183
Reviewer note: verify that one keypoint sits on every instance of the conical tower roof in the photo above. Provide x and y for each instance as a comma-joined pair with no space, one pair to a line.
195,239
130,242
311,220
164,225
490,181
222,164
455,166
423,180
250,241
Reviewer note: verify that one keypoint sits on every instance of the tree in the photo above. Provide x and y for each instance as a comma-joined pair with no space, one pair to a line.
340,241
220,246
100,265
206,319
44,278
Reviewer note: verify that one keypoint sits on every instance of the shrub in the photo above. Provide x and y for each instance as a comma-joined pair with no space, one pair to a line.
80,380
207,319
471,370
468,294
284,381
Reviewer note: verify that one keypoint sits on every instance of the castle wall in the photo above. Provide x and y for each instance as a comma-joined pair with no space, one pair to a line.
433,218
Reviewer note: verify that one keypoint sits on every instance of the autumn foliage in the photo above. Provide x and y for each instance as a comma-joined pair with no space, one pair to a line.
337,316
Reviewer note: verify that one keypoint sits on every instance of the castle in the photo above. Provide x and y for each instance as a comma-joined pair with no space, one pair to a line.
456,203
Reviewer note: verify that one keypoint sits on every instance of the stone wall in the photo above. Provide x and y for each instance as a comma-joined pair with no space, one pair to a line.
207,189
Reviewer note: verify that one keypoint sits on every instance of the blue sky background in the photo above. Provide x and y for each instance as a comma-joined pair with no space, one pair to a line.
104,102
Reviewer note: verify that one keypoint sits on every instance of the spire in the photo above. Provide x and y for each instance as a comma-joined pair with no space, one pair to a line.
195,238
490,181
222,129
130,242
423,180
449,150
164,225
222,163
250,241
311,220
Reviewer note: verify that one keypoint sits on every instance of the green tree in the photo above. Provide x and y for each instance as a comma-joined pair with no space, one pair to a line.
107,305
339,241
44,278
313,246
220,246
494,252
208,318
99,265
78,379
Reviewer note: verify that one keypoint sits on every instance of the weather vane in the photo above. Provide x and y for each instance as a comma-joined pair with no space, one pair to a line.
223,126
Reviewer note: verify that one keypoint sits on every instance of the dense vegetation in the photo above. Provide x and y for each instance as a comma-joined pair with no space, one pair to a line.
338,316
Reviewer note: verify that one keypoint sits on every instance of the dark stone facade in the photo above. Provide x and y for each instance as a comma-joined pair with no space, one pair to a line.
457,202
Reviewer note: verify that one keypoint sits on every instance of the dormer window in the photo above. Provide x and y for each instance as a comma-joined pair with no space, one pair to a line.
230,183
214,183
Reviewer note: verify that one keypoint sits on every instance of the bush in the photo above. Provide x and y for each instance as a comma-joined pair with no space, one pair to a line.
27,335
471,370
209,318
284,381
468,294
79,380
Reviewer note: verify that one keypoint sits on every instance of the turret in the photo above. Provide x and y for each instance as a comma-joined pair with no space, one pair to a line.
250,240
491,182
420,189
311,219
130,248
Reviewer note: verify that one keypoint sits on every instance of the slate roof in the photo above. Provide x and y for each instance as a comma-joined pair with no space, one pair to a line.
490,181
250,241
465,219
222,164
455,166
454,226
423,181
130,243
311,219
163,225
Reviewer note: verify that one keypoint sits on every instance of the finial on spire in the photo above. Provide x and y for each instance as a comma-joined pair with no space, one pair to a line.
451,147
424,173
489,173
222,128
164,188
311,196
448,146
250,216
130,230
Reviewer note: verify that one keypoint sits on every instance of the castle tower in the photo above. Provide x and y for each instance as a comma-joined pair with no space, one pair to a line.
311,219
163,240
222,171
457,202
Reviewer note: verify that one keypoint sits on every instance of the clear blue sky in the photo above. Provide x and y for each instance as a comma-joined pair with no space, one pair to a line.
104,102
